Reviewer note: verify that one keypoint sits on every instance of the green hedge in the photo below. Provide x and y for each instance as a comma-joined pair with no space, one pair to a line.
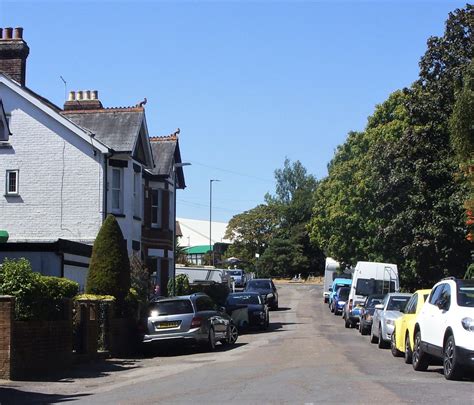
36,296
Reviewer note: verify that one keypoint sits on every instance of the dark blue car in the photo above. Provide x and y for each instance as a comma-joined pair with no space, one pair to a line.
339,300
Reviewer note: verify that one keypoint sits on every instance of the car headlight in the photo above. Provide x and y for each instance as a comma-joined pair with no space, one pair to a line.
270,295
468,324
390,322
154,314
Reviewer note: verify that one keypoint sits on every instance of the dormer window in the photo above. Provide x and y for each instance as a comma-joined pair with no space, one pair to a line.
4,128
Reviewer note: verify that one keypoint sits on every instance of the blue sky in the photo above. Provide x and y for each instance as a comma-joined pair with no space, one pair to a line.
248,83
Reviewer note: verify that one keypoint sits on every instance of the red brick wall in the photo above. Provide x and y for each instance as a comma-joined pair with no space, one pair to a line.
6,317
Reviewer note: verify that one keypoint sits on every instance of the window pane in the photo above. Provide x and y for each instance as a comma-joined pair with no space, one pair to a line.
154,197
12,182
116,179
116,199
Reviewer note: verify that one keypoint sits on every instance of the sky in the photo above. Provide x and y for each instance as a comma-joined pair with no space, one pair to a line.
248,83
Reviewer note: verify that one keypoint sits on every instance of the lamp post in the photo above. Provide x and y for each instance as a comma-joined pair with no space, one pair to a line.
175,166
210,220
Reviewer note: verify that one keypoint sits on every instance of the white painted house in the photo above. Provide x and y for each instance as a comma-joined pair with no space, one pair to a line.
66,169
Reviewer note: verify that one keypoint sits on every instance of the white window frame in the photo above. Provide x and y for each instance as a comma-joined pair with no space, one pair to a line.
17,182
157,208
137,194
119,209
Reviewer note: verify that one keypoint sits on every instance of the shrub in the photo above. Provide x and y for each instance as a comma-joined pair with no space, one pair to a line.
179,285
217,291
109,269
470,272
36,296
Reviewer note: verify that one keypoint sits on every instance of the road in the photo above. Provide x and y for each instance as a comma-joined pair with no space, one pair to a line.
306,357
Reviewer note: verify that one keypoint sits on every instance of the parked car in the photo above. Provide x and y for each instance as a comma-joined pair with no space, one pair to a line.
266,289
444,328
194,318
339,300
383,320
402,336
336,284
367,312
330,273
257,310
238,276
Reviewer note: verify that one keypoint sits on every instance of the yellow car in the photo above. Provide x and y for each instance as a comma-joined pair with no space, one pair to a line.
402,336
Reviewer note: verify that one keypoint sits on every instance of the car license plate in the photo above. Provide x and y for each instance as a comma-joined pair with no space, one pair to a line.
167,325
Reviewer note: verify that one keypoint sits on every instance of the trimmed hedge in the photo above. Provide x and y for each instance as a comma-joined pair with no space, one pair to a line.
36,296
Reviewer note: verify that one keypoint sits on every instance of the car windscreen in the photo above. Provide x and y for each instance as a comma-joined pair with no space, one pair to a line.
243,299
372,302
465,293
397,303
174,307
370,286
234,272
344,294
259,285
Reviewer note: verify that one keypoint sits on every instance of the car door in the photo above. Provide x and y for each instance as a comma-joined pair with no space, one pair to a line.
428,315
440,319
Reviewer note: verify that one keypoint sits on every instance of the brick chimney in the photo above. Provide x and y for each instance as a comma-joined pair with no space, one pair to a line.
83,100
13,53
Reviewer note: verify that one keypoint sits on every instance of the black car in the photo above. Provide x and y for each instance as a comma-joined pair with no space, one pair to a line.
266,289
257,311
367,312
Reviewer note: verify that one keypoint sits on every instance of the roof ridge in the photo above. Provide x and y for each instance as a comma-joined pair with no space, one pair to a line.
104,110
172,137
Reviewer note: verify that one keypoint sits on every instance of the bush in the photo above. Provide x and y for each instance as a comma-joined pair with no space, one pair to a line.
470,272
36,296
217,291
179,285
109,269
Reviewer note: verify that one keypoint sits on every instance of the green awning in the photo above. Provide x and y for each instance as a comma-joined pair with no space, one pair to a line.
198,250
3,236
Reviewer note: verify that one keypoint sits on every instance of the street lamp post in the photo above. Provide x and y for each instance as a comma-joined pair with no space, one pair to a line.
175,166
210,220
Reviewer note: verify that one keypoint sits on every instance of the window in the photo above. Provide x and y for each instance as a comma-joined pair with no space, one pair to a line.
117,190
136,194
11,187
435,294
156,198
411,306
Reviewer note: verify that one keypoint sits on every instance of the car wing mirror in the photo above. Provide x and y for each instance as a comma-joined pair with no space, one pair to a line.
379,306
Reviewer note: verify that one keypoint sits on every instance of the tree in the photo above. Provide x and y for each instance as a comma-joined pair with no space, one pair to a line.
109,269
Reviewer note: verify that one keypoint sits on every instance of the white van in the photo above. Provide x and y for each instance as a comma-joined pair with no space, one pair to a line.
330,273
369,278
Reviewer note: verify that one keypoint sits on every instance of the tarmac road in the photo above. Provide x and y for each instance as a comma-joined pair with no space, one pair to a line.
307,356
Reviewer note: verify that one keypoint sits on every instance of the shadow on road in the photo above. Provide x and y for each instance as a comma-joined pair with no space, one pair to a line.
170,350
16,396
281,309
99,368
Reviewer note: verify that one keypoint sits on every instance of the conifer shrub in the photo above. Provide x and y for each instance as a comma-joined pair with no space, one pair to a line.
109,269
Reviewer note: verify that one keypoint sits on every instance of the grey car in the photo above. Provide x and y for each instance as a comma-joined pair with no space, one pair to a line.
383,320
193,318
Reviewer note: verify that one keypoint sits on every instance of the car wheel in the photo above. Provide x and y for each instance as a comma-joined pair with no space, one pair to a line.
347,323
331,308
381,342
363,329
360,326
419,357
373,338
211,339
393,346
232,334
408,352
451,367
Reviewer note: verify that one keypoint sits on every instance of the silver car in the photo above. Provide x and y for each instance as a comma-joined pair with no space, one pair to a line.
193,318
383,320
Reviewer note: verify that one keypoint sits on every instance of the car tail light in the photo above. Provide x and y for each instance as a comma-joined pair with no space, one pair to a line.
196,322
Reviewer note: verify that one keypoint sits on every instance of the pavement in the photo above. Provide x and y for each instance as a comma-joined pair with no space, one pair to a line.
306,357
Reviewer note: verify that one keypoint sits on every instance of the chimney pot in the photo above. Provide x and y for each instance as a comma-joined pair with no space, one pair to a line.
87,94
8,33
18,33
79,95
94,95
72,96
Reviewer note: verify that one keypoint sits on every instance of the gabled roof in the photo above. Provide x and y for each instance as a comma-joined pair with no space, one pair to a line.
51,110
165,153
118,128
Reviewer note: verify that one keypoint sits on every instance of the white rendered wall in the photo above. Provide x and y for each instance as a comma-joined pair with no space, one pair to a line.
60,178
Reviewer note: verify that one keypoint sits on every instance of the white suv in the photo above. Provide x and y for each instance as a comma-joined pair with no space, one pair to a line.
444,328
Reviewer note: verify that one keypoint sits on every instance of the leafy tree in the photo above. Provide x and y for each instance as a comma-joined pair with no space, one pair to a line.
109,269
